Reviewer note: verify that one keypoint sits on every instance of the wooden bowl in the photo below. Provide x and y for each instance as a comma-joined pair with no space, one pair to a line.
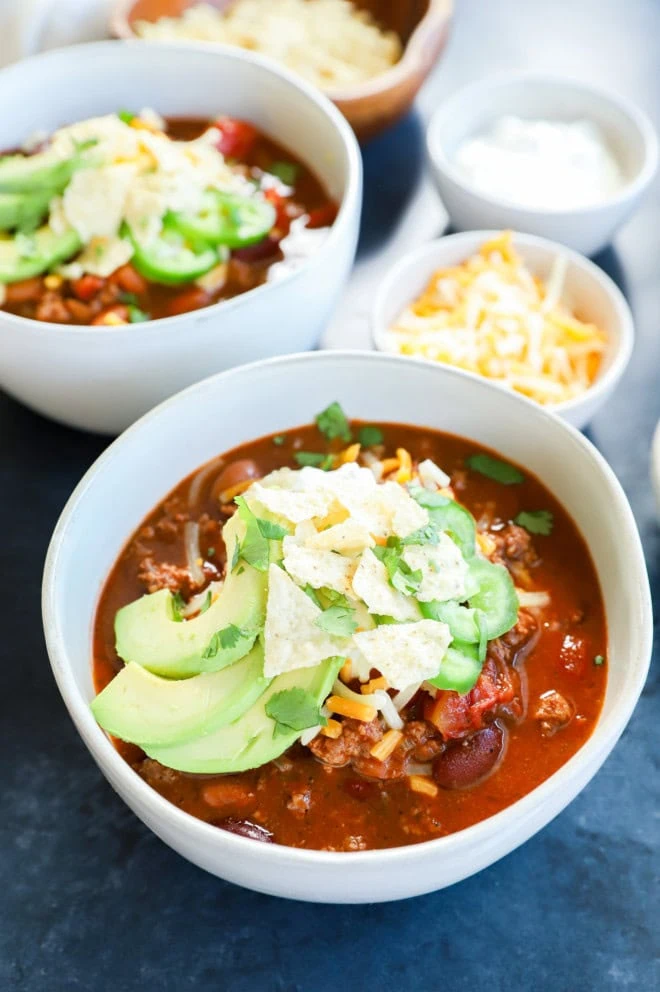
372,106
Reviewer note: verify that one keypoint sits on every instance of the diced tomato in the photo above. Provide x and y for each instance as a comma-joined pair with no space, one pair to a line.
189,299
455,715
323,216
237,138
87,287
128,279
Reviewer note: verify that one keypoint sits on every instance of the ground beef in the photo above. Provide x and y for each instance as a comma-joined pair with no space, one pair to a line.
354,744
514,548
161,575
51,307
156,775
553,711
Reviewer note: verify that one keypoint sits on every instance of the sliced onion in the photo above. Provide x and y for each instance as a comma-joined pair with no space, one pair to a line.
191,538
388,709
196,602
339,689
374,464
533,600
308,735
200,478
403,698
431,475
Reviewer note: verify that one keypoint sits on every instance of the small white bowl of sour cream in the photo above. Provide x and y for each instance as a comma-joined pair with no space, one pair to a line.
558,158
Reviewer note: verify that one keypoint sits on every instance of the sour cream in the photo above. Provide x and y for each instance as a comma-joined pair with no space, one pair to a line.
556,165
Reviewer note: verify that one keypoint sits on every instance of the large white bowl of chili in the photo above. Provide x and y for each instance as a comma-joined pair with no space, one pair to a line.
241,405
103,377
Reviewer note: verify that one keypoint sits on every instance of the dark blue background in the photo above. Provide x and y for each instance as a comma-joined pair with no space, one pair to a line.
91,900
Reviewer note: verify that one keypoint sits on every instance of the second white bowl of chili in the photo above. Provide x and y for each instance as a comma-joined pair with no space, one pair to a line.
274,277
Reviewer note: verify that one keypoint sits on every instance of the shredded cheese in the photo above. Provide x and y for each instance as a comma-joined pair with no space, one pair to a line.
419,783
492,316
330,42
348,707
386,745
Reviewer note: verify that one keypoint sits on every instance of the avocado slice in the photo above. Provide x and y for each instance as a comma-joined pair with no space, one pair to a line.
147,710
147,633
24,210
32,173
248,742
28,255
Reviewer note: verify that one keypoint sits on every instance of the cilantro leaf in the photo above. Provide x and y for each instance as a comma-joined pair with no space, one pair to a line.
428,499
136,315
178,605
368,436
338,621
311,592
495,469
314,458
400,574
279,440
332,423
253,549
599,660
425,535
287,172
536,521
228,637
334,598
270,530
207,602
293,709
126,116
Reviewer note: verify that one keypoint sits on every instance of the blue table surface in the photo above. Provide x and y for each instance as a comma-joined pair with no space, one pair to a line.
90,899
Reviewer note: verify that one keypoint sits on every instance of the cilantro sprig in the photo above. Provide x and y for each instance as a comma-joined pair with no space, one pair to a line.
536,521
316,459
338,620
332,423
402,577
254,548
368,436
223,639
293,710
494,468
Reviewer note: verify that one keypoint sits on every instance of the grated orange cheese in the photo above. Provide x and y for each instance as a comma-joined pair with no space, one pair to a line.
420,783
229,495
332,729
492,316
348,707
379,683
386,745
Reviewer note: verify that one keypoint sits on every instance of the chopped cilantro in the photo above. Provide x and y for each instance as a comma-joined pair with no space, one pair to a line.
279,440
293,709
368,436
495,469
210,552
314,458
338,621
207,602
332,423
228,637
135,315
239,571
311,592
400,574
253,549
536,521
381,620
429,500
425,535
271,531
287,172
178,605
334,598
599,660
126,116
128,298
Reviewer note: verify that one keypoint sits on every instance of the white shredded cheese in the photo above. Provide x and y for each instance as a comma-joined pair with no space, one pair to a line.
431,476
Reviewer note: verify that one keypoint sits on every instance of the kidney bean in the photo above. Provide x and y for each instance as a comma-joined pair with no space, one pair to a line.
189,299
245,828
257,253
465,762
128,279
235,473
26,291
87,287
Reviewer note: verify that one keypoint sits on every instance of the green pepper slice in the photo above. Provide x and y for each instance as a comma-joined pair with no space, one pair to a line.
172,259
227,219
496,597
459,670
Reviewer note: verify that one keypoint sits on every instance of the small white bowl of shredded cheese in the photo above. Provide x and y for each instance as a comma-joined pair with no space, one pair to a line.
553,157
526,313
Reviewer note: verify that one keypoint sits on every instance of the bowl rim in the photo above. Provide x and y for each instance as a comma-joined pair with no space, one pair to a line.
350,200
437,17
631,188
590,756
622,350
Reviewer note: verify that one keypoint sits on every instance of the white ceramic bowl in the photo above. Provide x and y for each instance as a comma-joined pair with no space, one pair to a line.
471,110
102,378
655,465
586,286
141,466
